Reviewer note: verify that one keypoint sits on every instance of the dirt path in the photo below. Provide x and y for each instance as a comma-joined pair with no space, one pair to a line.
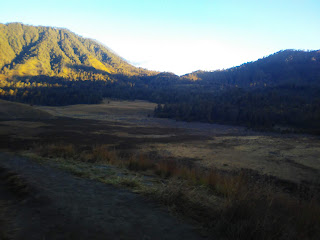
61,206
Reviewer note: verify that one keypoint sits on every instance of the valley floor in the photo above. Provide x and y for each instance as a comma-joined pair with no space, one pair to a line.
287,156
90,140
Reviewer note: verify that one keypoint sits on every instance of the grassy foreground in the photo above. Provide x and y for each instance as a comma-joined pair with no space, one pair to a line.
223,205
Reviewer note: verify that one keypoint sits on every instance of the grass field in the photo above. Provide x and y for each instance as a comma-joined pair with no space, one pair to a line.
290,157
227,178
129,126
108,110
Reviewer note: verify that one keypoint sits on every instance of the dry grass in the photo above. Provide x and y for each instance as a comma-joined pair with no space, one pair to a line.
108,110
56,150
140,162
261,214
292,158
102,154
228,206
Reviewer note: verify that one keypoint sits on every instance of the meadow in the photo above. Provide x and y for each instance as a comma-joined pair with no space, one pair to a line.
229,181
291,157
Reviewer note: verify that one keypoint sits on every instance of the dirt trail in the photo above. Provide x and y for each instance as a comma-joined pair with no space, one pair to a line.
61,206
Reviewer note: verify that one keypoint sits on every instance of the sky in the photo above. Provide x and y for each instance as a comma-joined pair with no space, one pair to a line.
180,36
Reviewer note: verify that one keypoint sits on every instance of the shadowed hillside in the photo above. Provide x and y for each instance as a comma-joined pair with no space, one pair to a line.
278,92
11,111
283,67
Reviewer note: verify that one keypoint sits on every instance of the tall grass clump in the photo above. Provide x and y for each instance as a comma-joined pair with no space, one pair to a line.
102,154
140,162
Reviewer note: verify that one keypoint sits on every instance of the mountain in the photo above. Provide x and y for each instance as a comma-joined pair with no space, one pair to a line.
30,51
27,51
280,92
283,67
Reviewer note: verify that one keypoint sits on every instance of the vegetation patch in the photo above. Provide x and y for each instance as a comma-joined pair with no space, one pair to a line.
224,205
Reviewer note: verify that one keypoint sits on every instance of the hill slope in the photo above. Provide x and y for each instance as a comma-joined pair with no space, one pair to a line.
11,111
283,67
278,92
29,51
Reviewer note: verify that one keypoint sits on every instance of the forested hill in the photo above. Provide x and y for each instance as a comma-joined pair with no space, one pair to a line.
281,91
27,51
284,67
31,51
53,66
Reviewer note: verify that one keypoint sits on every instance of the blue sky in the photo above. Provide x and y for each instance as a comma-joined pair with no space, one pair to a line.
180,36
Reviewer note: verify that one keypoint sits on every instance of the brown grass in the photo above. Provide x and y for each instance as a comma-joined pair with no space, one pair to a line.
140,162
102,154
122,109
228,206
56,150
261,214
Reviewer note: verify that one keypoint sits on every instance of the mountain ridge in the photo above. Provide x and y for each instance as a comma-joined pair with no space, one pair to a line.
30,50
270,70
